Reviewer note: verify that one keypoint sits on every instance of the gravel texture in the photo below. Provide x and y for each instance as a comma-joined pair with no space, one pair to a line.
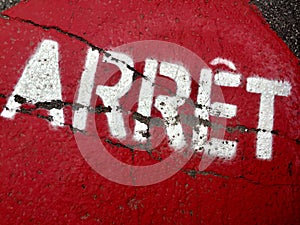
5,4
283,17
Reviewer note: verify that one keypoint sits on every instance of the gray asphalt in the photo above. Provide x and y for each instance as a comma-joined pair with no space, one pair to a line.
283,16
5,4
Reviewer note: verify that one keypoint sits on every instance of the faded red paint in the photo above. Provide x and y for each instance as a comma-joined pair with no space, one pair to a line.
44,178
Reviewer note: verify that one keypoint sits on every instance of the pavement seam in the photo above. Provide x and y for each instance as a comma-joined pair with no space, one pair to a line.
229,129
61,104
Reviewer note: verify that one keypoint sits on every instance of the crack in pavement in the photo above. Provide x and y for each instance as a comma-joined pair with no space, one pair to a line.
57,104
54,104
99,109
75,36
193,173
187,119
45,27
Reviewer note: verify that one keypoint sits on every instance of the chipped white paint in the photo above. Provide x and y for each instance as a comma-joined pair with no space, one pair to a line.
268,90
40,82
85,89
145,98
223,61
223,110
203,100
221,148
214,147
111,95
168,106
227,79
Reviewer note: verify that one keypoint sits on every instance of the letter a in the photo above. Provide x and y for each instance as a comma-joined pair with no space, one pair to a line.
40,82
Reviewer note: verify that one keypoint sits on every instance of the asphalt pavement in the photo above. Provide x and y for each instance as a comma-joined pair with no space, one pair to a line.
283,16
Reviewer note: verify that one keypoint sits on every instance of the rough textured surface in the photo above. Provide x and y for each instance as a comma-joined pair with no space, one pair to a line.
5,4
45,179
283,17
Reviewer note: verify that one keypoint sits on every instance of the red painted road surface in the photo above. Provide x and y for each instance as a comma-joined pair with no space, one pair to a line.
46,180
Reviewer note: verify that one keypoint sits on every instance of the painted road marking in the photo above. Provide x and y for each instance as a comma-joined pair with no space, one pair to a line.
145,99
85,89
168,106
111,95
268,90
40,82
